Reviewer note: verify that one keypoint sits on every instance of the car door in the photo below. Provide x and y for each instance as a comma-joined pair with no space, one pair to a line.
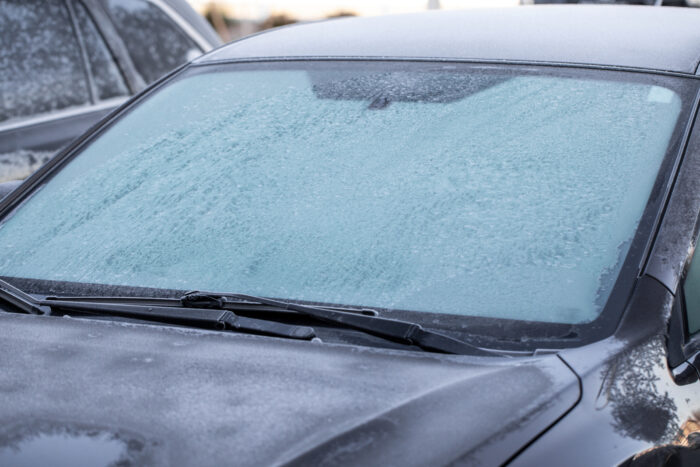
57,77
171,40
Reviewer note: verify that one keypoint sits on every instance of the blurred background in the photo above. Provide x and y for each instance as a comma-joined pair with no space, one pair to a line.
233,19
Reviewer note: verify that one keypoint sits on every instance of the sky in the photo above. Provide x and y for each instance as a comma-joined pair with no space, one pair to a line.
312,9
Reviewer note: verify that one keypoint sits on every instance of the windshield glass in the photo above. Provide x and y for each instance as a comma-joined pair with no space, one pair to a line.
466,190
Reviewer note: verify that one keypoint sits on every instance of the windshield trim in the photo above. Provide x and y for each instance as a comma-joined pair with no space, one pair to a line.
518,335
610,315
441,60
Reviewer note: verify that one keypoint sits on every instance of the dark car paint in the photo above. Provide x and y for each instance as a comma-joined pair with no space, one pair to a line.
205,398
54,132
629,403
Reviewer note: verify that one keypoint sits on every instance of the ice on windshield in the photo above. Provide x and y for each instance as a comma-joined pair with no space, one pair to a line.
516,200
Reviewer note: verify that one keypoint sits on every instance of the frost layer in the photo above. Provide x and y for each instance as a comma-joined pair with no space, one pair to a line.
518,200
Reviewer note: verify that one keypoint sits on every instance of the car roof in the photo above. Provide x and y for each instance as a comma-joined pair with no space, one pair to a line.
666,39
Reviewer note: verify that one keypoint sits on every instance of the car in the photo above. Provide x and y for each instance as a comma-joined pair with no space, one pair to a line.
446,238
65,64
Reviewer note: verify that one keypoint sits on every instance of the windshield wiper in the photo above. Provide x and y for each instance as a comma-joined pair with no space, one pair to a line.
401,331
219,319
190,316
216,309
13,296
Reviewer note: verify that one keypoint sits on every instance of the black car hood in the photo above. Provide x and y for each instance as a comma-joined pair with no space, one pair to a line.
176,396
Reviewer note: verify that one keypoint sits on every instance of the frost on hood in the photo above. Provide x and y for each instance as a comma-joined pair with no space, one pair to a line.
511,202
40,65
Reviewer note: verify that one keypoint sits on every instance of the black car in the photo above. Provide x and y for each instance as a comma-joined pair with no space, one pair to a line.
450,238
64,64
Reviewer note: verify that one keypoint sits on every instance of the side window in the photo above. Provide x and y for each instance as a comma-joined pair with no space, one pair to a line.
109,81
156,44
691,290
41,67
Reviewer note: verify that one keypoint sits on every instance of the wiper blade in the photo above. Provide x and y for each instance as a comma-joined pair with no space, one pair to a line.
206,300
188,310
402,331
220,319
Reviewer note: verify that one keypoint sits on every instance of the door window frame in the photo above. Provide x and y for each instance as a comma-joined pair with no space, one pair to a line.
94,104
120,55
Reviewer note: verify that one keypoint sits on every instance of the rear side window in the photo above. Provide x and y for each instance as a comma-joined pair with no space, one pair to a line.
692,295
41,69
156,44
109,82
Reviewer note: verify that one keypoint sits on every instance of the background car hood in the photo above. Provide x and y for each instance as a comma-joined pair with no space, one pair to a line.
175,396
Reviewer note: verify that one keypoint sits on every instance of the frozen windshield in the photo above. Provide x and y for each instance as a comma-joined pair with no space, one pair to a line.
481,191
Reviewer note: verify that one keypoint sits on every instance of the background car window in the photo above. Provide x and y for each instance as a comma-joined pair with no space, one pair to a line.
691,289
108,80
41,67
155,43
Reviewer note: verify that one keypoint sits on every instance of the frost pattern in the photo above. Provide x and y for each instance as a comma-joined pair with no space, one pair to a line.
512,202
155,44
40,64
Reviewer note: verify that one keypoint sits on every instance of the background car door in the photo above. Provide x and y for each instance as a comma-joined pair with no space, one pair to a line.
64,64
141,22
57,77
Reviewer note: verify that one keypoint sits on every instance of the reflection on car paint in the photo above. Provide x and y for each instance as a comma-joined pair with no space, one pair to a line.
66,444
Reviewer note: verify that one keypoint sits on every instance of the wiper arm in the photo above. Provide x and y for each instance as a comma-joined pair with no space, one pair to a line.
13,296
402,331
220,319
188,310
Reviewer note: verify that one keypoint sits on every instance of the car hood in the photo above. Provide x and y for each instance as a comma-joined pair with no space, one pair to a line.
173,396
